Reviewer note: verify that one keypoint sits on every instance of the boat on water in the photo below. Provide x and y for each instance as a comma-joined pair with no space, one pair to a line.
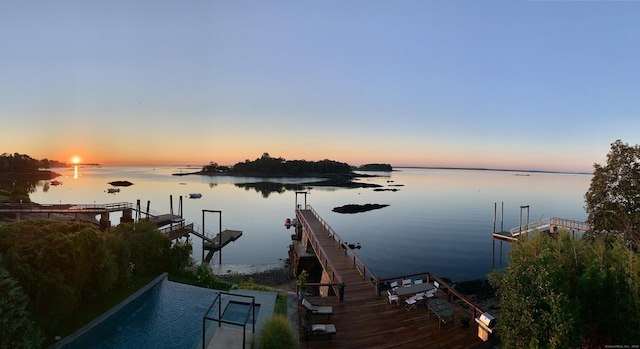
113,190
195,196
56,182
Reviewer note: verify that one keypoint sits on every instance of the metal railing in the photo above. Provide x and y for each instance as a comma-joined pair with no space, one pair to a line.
562,223
220,320
570,224
64,208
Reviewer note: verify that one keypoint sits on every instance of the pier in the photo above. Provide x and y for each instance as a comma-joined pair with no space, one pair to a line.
550,225
365,318
170,224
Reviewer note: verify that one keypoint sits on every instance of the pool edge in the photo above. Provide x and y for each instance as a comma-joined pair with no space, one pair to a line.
79,332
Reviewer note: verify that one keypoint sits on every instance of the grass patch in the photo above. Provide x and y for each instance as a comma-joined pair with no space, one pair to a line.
201,277
281,304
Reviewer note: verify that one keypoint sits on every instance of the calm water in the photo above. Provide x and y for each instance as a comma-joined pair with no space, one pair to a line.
439,220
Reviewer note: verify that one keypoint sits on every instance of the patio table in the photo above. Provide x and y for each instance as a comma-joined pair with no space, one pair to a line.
413,289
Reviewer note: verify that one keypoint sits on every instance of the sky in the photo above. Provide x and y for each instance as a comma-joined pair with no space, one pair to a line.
543,85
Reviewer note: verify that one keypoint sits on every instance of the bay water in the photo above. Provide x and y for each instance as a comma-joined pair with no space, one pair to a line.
438,220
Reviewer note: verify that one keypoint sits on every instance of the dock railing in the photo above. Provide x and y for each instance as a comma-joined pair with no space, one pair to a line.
357,262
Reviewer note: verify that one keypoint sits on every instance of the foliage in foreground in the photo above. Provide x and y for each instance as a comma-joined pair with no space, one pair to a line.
75,264
566,293
17,330
613,199
277,334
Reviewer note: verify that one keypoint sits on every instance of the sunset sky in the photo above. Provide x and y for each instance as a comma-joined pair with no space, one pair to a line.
545,85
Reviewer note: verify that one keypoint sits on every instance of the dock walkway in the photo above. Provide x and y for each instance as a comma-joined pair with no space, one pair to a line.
366,320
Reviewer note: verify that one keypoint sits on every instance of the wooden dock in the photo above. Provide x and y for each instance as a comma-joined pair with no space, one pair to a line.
365,319
210,244
222,239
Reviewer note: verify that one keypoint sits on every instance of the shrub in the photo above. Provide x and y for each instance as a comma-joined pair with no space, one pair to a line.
277,334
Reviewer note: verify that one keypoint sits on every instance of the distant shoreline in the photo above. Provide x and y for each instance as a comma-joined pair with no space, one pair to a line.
491,169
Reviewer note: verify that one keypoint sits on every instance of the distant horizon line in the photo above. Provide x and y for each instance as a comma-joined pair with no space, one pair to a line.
393,167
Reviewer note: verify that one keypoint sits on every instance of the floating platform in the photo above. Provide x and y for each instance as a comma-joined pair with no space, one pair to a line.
218,242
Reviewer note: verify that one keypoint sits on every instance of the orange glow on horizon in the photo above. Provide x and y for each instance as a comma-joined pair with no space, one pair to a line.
75,160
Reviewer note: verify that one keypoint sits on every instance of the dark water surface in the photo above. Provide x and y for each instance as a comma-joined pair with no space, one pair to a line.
438,220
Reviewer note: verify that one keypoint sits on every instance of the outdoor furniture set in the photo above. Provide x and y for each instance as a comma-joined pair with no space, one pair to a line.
317,329
420,292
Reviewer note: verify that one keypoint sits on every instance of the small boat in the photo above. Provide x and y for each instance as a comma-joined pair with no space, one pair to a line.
113,190
195,196
56,182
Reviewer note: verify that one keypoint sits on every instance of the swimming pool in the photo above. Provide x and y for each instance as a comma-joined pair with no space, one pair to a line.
168,315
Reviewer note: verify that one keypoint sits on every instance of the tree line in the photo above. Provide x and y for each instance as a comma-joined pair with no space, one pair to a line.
49,269
22,163
279,166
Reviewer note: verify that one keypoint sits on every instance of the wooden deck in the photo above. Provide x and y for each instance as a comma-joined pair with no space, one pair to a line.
366,320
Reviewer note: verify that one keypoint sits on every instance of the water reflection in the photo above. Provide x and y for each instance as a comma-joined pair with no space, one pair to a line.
268,188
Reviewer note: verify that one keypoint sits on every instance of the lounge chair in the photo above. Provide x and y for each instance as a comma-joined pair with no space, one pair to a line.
318,330
315,309
393,298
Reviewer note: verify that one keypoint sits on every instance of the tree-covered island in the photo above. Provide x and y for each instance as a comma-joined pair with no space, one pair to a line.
333,172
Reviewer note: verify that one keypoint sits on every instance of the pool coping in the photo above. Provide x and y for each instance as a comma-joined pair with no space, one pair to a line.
82,330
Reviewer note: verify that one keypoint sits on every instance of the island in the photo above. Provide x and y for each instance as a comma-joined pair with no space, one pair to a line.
324,172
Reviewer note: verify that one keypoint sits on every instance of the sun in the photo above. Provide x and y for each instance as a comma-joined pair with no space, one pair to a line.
75,160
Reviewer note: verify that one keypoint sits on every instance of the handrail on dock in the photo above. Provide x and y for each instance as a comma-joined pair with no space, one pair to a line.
362,268
563,223
357,262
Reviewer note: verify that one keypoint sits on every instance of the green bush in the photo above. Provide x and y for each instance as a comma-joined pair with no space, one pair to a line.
277,334
17,330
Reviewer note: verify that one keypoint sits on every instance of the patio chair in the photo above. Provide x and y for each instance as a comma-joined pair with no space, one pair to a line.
420,297
394,285
318,330
315,309
410,303
393,298
430,294
418,281
406,282
437,285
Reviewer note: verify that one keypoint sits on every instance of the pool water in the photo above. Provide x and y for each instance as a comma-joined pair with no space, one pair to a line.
237,312
169,315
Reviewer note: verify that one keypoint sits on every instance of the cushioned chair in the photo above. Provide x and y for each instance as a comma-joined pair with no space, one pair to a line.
406,282
418,282
315,309
318,330
411,303
393,298
394,285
